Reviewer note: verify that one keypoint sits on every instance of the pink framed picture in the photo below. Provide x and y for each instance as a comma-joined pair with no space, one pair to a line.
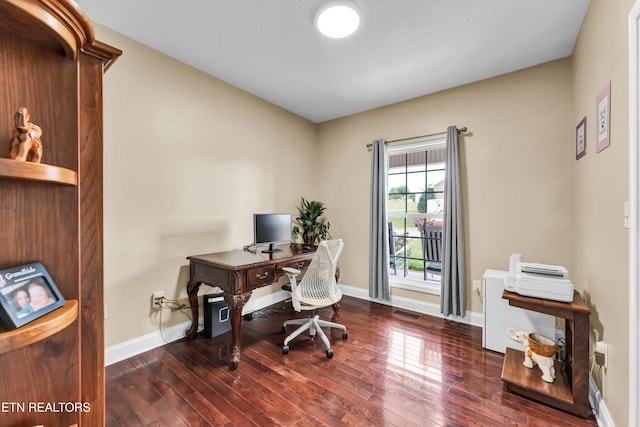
603,118
581,138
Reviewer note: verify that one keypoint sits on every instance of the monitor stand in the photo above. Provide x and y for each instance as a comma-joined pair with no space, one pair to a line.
271,249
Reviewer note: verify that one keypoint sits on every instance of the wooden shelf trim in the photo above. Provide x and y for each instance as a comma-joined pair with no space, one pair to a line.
60,22
39,329
566,310
28,171
516,374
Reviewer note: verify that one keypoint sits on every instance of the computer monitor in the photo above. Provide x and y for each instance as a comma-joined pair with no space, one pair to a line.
271,228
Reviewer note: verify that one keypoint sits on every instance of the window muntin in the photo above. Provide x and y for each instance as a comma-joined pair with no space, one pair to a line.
416,179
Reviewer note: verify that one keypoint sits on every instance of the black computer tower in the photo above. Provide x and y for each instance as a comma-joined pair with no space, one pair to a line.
216,315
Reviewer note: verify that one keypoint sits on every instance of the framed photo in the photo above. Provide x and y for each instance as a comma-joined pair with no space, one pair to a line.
27,292
581,138
603,118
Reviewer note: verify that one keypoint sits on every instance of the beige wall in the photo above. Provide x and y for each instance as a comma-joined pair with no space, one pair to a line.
188,160
600,243
515,158
524,190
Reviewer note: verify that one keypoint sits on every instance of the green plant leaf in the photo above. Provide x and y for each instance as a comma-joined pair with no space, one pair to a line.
310,224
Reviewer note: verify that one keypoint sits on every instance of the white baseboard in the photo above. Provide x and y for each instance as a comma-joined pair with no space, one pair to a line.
264,301
130,348
598,406
471,318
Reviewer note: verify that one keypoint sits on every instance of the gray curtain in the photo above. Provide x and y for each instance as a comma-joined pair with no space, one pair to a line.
452,297
378,232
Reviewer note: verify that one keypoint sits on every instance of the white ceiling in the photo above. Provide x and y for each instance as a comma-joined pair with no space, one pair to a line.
402,50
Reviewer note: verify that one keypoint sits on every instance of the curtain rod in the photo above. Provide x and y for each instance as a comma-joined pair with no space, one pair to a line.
462,130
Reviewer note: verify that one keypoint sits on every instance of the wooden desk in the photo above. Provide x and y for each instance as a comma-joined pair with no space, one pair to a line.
238,273
570,390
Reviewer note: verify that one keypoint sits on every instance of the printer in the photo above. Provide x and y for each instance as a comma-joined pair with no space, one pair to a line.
540,281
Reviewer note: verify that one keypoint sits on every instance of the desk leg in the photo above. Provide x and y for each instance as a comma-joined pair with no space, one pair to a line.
336,306
192,292
236,303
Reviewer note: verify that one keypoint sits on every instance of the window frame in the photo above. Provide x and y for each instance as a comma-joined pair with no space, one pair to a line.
432,287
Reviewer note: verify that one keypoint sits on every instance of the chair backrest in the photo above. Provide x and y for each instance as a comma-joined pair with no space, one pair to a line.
318,286
432,242
392,247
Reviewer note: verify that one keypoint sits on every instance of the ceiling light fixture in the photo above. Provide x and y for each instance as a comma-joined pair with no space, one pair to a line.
337,19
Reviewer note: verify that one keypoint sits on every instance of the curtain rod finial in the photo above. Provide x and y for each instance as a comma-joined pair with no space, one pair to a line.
460,131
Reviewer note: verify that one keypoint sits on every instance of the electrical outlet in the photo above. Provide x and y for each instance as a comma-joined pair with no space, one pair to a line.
601,354
477,286
156,300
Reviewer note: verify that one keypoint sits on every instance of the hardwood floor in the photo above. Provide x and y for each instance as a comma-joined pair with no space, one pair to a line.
397,368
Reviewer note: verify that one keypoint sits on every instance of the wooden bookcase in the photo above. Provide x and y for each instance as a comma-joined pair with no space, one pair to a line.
51,63
570,390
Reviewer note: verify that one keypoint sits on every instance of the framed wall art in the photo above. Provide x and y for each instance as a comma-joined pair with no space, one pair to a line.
603,118
27,292
581,138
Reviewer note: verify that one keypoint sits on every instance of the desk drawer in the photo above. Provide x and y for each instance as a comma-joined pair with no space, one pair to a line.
299,265
212,275
260,276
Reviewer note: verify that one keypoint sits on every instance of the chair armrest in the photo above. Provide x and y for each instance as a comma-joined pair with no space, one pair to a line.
291,271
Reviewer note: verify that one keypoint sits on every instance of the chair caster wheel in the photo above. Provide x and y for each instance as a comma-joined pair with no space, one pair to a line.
345,335
283,330
329,353
285,349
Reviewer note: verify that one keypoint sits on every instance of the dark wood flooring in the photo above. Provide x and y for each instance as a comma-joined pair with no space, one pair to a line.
395,369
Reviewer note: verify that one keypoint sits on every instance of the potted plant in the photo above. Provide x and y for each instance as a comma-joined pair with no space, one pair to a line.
310,224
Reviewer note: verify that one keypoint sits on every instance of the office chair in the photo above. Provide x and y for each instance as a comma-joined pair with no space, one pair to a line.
318,288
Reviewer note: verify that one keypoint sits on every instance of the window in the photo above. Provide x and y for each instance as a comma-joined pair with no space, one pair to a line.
416,181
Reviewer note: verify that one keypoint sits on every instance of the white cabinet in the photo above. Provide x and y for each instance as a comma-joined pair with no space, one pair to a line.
499,316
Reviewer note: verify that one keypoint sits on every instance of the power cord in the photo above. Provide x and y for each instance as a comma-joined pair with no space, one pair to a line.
252,248
597,376
264,312
173,305
561,350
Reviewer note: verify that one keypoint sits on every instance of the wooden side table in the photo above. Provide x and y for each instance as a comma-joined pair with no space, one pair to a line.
570,391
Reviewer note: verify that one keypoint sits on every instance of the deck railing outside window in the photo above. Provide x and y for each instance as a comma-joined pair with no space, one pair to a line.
415,211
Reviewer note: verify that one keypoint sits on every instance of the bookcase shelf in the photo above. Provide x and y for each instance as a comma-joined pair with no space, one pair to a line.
53,65
40,329
28,171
